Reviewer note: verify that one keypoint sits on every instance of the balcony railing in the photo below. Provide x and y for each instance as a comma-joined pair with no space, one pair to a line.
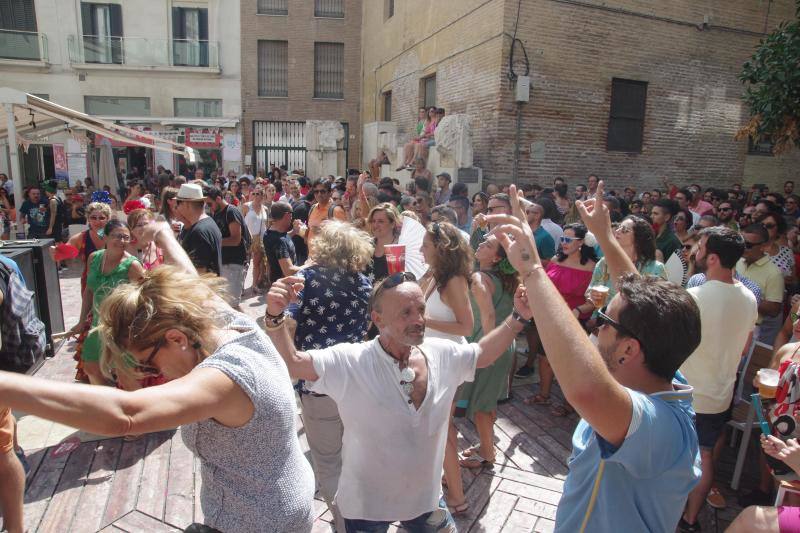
23,45
142,52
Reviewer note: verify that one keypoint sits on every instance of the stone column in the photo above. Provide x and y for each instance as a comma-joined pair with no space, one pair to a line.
324,140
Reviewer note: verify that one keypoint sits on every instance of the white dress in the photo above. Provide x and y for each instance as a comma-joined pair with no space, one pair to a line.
256,222
436,309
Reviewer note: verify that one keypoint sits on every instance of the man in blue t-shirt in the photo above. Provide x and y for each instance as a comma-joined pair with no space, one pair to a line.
36,213
635,452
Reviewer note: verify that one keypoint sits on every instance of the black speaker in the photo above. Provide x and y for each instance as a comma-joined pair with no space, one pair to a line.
45,284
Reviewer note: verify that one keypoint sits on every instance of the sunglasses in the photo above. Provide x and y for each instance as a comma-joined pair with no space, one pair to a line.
604,319
771,225
687,246
391,282
749,245
726,209
568,240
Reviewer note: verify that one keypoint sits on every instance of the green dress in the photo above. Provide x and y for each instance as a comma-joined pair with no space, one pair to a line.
101,286
491,383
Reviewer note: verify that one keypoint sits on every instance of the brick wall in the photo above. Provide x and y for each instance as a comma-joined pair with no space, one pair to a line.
301,29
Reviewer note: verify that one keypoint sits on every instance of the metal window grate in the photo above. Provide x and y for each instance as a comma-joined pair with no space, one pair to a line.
328,70
626,118
329,8
429,91
272,7
273,69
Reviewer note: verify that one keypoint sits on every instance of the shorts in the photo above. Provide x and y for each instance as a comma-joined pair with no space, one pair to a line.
437,521
6,431
709,427
788,519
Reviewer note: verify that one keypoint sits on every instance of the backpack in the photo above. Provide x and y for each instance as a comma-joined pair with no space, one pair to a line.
23,334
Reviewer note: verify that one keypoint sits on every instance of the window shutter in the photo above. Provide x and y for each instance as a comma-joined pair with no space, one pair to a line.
178,24
87,20
115,10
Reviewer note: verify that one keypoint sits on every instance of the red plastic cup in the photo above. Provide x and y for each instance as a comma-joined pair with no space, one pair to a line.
395,257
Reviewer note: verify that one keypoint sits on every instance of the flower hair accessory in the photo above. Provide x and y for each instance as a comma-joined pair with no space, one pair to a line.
590,240
504,266
101,196
133,205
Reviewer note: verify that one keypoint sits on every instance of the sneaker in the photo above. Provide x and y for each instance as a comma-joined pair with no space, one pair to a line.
524,372
20,453
686,527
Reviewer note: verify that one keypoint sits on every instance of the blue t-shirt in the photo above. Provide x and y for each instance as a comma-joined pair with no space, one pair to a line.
545,244
333,307
10,263
643,484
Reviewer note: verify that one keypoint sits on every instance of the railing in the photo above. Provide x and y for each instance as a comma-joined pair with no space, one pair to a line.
143,52
23,45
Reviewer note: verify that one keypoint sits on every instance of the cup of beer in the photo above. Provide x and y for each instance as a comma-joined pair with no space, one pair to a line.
768,382
599,295
395,257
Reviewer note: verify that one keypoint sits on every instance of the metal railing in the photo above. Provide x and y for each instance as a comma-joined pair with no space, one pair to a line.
23,45
140,51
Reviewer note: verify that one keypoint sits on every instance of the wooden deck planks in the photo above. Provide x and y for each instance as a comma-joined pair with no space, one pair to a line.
180,487
125,486
61,509
92,504
41,488
155,475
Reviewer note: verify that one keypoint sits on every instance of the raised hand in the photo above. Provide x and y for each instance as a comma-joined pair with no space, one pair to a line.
595,213
282,293
521,303
788,452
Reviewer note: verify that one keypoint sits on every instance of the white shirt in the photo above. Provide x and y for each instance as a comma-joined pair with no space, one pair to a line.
728,314
392,453
555,231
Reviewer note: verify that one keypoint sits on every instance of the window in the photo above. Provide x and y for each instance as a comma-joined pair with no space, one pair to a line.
626,120
272,7
329,8
190,36
388,9
273,68
120,106
387,106
18,37
328,70
762,147
198,107
43,96
428,91
102,33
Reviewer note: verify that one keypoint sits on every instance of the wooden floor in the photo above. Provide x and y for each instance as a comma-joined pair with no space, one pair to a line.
152,484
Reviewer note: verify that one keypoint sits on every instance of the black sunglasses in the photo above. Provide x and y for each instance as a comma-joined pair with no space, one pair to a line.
749,245
726,209
390,283
770,226
604,319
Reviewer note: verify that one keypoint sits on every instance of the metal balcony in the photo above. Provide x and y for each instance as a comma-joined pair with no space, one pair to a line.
23,45
142,52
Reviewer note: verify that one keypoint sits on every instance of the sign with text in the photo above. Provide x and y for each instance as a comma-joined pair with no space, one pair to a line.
203,138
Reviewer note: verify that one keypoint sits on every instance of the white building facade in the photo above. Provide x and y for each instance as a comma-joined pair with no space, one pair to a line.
169,67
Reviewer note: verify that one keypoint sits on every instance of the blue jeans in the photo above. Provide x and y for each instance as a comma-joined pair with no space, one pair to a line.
438,520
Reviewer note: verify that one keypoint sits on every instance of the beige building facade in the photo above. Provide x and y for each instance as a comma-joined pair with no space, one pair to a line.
300,61
633,91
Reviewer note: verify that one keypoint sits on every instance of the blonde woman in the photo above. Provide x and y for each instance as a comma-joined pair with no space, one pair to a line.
384,224
332,308
227,387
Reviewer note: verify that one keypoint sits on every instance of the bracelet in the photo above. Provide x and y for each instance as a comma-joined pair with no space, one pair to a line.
273,322
524,276
516,316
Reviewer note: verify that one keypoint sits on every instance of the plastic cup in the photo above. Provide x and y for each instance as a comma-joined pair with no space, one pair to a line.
599,295
395,257
768,382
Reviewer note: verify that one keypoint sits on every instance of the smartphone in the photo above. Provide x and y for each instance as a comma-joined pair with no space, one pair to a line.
756,399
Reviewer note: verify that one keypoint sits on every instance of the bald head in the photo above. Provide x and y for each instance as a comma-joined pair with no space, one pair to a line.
399,313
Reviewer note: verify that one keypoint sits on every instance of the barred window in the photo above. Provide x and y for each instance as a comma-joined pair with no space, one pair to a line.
626,120
329,8
272,7
328,70
273,68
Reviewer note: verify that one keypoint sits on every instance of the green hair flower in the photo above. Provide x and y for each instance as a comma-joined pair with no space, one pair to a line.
504,266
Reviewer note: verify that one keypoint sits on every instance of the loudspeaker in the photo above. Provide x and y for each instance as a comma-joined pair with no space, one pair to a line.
45,284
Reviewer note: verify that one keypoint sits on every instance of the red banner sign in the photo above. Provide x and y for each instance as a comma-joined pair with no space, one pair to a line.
203,138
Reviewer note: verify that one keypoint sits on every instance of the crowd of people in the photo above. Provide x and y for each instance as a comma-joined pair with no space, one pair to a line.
642,305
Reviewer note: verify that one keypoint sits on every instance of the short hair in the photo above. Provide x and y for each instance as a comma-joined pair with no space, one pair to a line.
278,210
663,317
725,243
448,213
561,189
102,207
340,245
422,184
757,229
320,181
462,200
780,222
670,205
459,189
501,197
708,218
213,193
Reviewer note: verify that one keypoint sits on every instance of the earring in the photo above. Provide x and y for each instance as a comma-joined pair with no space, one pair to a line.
621,360
183,348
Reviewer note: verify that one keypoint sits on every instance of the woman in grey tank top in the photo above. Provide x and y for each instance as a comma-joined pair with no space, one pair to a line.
227,387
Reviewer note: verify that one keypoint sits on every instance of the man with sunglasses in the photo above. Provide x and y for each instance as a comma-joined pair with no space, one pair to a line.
323,208
394,395
635,451
727,212
728,314
756,265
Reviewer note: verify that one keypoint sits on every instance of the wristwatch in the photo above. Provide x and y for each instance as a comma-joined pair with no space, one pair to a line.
516,316
274,321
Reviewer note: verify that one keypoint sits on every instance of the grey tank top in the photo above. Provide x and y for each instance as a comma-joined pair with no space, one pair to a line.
255,478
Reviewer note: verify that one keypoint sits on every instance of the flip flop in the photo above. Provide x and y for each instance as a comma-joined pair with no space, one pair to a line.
476,461
469,452
537,399
458,509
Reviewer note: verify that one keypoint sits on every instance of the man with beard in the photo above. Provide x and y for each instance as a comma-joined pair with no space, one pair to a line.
394,395
728,314
635,449
727,213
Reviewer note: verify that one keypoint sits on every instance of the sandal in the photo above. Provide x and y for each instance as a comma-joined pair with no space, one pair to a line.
537,399
459,509
476,461
469,452
562,410
715,499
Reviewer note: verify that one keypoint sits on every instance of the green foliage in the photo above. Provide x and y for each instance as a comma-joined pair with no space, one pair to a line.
772,87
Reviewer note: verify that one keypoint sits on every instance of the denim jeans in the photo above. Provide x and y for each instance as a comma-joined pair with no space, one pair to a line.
438,520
